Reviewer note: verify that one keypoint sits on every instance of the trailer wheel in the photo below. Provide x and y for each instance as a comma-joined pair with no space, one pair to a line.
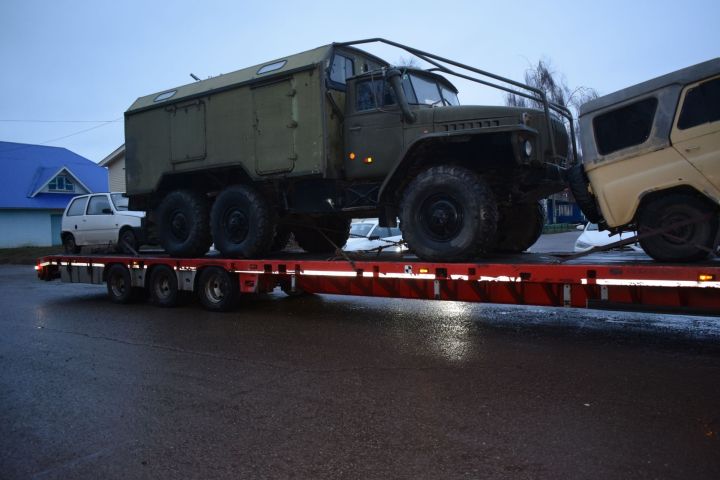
448,213
218,289
242,222
69,245
183,224
127,242
163,286
578,183
323,234
119,284
688,243
519,227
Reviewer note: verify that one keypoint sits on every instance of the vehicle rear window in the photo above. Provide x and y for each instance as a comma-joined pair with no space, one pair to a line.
625,127
702,105
77,207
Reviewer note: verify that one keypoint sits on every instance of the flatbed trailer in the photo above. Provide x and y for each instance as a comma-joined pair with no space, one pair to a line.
619,282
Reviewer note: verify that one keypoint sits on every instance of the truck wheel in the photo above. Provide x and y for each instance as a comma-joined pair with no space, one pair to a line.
218,289
448,213
519,227
335,232
163,286
682,244
119,285
578,183
69,245
183,224
127,243
242,222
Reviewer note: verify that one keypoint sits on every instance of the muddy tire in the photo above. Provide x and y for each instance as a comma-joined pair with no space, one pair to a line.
448,213
163,286
243,223
119,284
519,227
688,243
335,232
578,182
218,289
184,224
69,245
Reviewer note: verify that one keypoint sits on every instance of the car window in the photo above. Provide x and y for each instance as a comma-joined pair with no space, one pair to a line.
77,207
97,204
702,105
120,201
625,127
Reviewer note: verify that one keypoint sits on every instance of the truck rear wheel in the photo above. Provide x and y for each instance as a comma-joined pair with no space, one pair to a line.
119,284
335,232
448,213
218,289
242,222
519,227
163,286
687,243
183,224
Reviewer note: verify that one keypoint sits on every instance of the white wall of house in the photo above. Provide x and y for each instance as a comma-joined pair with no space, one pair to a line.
116,175
22,228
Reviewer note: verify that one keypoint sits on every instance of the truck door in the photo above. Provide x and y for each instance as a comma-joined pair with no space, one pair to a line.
275,127
696,131
373,129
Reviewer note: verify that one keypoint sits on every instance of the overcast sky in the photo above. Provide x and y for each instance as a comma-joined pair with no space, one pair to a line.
69,66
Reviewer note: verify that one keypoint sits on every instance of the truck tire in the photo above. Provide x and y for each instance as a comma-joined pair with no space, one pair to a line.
163,287
242,222
69,245
519,227
335,232
448,213
183,224
218,289
119,284
127,242
689,243
578,182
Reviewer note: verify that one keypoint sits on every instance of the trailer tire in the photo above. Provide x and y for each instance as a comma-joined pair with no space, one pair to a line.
183,224
119,284
218,289
578,182
519,227
242,222
690,243
323,234
448,213
163,287
69,245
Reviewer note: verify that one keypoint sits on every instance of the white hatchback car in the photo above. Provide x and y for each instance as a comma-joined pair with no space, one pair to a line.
592,237
101,219
367,234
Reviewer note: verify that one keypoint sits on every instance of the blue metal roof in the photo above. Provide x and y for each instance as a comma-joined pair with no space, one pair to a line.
28,168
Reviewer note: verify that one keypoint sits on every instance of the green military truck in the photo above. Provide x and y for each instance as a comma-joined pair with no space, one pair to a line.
304,143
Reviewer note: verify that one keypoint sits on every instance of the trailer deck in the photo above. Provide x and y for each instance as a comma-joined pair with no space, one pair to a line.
615,280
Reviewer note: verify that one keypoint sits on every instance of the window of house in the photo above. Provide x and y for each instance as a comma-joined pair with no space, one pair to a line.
97,204
77,207
702,105
341,69
625,127
61,184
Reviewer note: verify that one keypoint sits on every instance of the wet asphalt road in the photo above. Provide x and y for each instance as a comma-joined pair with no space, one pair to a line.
340,387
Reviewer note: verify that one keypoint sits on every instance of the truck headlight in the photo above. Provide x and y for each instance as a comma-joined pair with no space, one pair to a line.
527,148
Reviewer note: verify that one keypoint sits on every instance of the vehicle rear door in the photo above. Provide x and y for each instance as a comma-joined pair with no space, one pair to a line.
696,131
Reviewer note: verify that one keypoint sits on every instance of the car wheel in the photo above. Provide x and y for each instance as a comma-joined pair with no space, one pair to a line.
127,242
69,245
183,224
687,243
163,286
323,234
218,289
242,222
119,284
519,227
448,213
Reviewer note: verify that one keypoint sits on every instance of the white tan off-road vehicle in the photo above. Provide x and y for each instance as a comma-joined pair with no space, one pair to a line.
651,162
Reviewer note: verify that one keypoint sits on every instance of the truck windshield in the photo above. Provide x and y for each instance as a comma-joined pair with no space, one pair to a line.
120,201
425,91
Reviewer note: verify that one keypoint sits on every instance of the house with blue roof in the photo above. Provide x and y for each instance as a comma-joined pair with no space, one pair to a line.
39,183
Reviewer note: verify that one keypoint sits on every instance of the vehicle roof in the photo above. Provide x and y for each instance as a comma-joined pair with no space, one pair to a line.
680,77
